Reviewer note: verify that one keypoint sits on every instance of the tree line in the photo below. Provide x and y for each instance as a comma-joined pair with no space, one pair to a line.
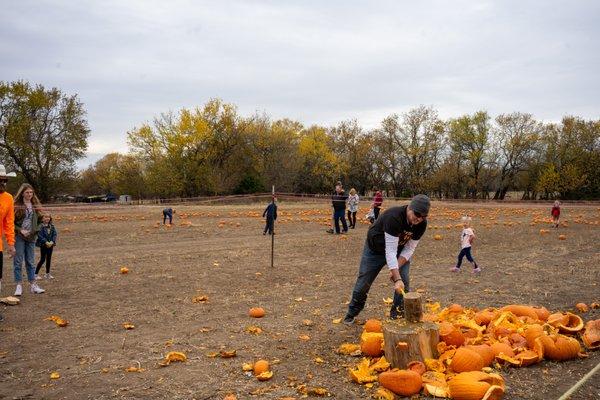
213,150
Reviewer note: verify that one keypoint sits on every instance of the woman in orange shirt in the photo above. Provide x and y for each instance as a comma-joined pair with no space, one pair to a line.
7,219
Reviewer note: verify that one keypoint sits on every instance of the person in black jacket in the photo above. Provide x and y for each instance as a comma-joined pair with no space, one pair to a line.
168,213
338,201
270,215
391,240
46,241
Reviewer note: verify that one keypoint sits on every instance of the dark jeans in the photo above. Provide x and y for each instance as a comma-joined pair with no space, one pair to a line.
337,215
370,265
465,252
46,255
270,223
167,215
1,263
376,211
352,218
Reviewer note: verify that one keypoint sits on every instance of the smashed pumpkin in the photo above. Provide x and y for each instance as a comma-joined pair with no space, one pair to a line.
402,382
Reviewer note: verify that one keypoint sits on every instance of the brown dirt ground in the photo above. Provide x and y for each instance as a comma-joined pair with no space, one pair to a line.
312,279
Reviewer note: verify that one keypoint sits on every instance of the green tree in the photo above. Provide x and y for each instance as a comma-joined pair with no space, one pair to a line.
516,137
320,167
469,141
42,134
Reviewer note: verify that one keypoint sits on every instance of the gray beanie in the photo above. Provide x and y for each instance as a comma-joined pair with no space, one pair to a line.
420,203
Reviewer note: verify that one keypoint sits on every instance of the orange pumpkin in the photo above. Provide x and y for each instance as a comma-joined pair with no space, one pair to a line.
373,325
486,353
451,335
527,357
501,347
260,366
521,311
466,360
532,332
484,317
371,344
256,312
402,382
582,307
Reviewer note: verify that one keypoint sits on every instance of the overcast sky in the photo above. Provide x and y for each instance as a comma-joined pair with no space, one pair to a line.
313,61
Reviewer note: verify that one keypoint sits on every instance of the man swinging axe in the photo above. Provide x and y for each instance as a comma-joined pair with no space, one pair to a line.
391,240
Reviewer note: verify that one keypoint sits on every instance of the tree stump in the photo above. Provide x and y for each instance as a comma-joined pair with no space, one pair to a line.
410,339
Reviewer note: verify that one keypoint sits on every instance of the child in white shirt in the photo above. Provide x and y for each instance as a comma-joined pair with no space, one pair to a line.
466,241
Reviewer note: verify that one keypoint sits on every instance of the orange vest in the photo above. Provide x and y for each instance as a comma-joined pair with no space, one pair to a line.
7,215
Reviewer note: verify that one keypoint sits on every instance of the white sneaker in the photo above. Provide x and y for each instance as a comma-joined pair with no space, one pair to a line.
48,276
19,290
37,277
35,289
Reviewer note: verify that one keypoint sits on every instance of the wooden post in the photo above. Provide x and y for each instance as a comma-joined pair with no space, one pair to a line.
413,309
410,339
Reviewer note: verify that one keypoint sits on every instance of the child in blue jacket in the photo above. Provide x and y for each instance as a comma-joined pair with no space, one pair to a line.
46,241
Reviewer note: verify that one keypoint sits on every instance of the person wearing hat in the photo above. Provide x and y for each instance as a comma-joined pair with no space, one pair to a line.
391,240
7,217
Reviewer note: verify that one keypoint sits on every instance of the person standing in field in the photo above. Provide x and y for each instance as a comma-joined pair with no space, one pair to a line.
27,211
270,215
555,212
7,217
168,213
338,201
391,240
46,241
467,237
377,202
352,207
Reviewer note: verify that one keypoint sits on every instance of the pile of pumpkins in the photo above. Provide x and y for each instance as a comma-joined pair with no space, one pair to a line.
471,343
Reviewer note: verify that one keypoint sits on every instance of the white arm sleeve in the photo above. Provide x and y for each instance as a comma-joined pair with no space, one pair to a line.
391,249
409,249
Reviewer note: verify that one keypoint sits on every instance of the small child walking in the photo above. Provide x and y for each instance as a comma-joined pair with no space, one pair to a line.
556,214
46,241
466,241
270,215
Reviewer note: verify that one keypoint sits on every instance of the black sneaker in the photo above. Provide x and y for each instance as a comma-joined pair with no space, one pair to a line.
348,320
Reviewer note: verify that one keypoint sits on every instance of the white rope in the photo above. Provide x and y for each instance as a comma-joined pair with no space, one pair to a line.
576,386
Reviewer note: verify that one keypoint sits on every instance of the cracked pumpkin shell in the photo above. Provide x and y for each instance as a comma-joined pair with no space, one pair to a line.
560,347
417,366
476,385
567,322
591,336
501,347
521,311
402,382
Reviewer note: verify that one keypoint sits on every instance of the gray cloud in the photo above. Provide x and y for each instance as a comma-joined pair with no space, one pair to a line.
318,62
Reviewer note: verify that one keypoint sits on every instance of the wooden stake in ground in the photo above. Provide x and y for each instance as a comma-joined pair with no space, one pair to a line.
410,339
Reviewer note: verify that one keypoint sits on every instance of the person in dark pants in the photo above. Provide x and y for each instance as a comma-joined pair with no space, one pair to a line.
168,213
270,215
7,220
391,240
377,202
338,200
46,241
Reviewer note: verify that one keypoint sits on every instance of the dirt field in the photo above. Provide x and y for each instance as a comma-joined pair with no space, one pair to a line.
223,255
